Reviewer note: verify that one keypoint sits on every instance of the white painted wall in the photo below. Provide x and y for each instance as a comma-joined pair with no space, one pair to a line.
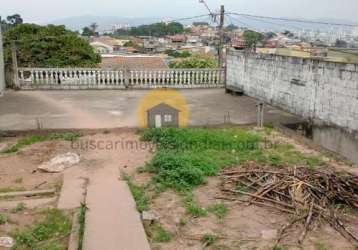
2,70
314,89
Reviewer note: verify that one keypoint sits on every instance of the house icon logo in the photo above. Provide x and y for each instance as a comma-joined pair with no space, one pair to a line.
163,108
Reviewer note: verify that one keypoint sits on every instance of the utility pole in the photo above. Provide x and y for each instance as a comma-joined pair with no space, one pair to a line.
221,37
2,66
14,64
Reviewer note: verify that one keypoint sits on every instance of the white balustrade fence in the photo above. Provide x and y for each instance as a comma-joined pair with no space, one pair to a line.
80,78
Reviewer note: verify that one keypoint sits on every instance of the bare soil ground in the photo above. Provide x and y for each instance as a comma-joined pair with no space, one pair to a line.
18,173
243,227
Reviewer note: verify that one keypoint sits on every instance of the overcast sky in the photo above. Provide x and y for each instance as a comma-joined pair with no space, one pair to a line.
47,10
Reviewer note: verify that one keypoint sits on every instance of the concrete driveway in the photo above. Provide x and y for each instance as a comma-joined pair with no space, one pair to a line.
90,109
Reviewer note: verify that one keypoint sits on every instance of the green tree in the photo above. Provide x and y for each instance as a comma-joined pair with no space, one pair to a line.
87,32
155,29
288,34
10,21
231,27
15,20
195,62
94,27
178,54
49,46
130,44
270,35
252,38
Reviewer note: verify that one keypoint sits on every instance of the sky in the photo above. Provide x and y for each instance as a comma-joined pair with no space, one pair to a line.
42,11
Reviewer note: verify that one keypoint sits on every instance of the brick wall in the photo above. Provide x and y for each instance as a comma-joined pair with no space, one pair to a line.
314,89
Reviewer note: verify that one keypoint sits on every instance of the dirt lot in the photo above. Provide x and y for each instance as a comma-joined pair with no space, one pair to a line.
229,225
242,226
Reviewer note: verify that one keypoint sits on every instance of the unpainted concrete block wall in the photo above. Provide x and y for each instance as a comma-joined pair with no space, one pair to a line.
2,67
312,88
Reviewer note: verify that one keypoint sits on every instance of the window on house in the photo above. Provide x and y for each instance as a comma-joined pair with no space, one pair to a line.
167,118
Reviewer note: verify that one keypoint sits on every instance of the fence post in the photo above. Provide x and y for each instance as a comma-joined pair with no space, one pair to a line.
2,66
126,77
14,65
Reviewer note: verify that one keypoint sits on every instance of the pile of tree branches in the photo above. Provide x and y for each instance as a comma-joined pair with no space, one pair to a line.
309,195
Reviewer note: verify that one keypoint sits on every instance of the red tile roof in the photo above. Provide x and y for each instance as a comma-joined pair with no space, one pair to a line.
133,62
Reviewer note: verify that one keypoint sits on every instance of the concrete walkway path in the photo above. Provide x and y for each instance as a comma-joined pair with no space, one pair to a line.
112,221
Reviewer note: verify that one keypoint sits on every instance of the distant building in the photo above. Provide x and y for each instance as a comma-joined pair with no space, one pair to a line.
107,45
177,38
238,43
200,24
151,44
163,115
102,48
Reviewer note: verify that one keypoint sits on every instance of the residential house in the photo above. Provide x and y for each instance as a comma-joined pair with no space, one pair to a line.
107,45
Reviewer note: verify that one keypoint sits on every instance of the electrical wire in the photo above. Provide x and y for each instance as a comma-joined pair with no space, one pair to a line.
272,23
245,25
189,18
294,20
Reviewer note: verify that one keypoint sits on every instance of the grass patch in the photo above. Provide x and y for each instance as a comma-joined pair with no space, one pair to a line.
186,157
193,208
320,246
159,234
46,234
139,195
286,155
3,219
277,247
208,239
29,140
82,221
219,209
19,208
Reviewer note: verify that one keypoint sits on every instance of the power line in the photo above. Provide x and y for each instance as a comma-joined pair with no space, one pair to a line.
189,18
245,25
294,20
268,22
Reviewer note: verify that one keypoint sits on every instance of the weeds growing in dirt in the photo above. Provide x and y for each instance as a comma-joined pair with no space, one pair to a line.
159,234
277,247
19,208
139,195
46,234
11,189
320,246
285,154
219,209
208,239
193,208
3,219
82,221
29,140
185,157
